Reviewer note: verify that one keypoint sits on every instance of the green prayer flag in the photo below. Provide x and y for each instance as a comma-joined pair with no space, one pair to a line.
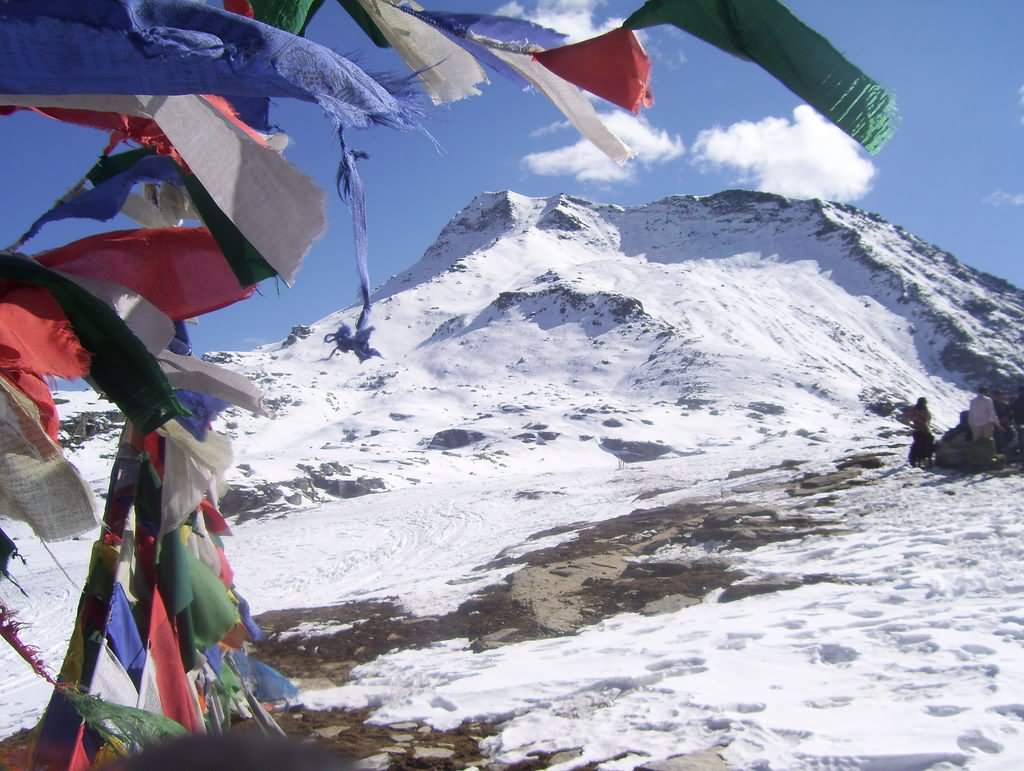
213,612
246,262
121,368
125,727
294,16
768,33
289,15
362,18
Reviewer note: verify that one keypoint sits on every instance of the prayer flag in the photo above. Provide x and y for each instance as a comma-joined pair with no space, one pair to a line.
613,66
767,32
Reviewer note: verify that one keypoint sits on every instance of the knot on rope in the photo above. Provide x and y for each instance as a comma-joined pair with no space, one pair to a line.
358,343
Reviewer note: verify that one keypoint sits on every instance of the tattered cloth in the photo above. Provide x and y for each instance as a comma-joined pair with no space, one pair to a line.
37,485
767,32
121,366
179,47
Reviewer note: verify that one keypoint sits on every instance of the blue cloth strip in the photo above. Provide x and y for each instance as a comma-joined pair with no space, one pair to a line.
104,201
123,634
181,47
247,621
203,408
463,28
180,343
502,29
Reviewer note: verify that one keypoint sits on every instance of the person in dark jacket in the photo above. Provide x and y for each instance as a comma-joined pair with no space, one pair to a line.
1004,411
922,447
1017,418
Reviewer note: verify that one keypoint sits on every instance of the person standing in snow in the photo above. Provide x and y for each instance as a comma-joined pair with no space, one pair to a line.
1017,418
982,417
922,447
1004,432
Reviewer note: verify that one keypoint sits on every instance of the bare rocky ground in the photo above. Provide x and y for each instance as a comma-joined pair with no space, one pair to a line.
557,590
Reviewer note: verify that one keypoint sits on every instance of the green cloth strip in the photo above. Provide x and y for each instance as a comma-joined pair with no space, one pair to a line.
122,368
125,728
294,16
767,32
246,262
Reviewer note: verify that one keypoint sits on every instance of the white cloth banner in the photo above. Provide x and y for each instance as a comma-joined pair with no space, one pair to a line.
448,73
111,682
38,485
149,691
147,322
189,465
571,101
194,374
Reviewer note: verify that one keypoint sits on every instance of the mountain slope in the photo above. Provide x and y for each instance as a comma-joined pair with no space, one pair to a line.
590,333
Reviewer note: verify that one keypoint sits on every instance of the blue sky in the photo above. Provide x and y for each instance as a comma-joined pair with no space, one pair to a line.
953,174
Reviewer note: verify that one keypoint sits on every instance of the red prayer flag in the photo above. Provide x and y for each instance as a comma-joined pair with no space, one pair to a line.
215,522
36,339
613,66
175,692
36,336
241,7
182,271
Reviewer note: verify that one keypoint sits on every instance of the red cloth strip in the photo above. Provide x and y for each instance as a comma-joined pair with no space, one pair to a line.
36,336
613,66
36,339
182,271
172,682
241,7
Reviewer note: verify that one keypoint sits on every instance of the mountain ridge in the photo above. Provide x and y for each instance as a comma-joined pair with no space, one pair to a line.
595,334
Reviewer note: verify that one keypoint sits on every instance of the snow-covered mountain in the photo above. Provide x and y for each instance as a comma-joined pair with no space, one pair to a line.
626,489
586,333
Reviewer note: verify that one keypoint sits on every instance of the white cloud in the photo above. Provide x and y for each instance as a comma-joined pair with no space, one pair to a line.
588,164
1000,197
551,128
808,158
574,18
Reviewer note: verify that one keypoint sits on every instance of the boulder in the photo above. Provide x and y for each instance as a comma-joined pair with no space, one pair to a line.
634,452
453,439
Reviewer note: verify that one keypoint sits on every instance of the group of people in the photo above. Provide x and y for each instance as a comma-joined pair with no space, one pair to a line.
990,416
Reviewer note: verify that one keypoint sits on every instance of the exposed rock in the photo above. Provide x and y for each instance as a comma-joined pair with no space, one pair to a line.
298,332
454,438
958,452
766,408
353,488
707,760
433,753
378,762
241,500
634,452
78,429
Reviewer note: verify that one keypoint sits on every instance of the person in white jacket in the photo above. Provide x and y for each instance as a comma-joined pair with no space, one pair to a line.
981,416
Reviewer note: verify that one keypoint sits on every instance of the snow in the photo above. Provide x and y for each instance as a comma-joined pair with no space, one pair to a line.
910,654
912,648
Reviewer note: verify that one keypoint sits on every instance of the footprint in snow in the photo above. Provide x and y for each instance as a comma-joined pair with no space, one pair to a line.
832,653
944,710
976,740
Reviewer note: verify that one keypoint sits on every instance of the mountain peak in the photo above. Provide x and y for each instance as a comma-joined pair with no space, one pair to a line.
740,317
